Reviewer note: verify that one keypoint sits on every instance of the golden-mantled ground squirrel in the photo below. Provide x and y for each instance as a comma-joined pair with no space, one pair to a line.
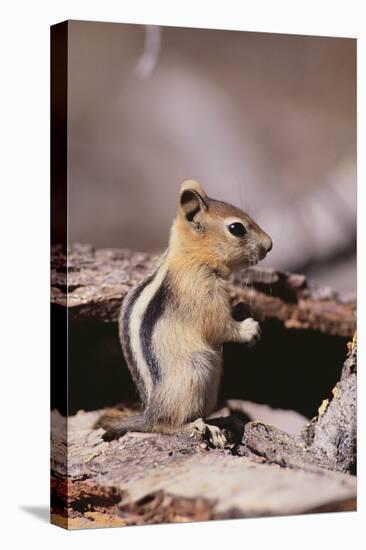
173,324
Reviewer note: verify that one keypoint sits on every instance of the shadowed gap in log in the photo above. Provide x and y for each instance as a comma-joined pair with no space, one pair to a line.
290,369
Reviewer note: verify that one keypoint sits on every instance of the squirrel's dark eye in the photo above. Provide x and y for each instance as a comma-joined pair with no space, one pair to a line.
237,229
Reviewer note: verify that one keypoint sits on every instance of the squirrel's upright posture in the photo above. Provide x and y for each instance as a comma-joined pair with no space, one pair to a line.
173,324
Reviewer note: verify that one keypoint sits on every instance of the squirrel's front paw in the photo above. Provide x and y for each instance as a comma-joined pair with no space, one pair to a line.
250,331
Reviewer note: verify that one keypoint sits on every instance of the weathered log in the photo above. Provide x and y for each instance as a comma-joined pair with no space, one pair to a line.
92,283
288,298
332,435
276,467
152,478
329,440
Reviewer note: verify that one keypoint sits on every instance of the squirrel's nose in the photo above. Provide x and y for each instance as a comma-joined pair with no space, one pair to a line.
264,246
269,245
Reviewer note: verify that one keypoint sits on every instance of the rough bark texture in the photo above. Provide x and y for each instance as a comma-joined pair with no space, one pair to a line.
332,435
281,463
288,298
92,284
153,478
329,440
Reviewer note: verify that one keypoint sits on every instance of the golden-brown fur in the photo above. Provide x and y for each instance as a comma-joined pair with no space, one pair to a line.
173,328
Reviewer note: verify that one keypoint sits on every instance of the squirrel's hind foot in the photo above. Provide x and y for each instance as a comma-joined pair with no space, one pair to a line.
214,434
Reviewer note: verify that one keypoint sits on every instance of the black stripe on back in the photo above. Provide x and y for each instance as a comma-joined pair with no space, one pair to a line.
153,312
125,335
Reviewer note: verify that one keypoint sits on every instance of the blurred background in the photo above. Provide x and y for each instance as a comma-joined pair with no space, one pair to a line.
265,121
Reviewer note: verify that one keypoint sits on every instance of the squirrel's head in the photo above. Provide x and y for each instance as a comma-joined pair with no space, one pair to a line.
218,233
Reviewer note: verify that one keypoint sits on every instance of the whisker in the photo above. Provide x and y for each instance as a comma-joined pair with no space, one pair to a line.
252,263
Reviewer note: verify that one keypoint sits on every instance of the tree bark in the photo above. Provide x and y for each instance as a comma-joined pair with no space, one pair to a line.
92,284
152,478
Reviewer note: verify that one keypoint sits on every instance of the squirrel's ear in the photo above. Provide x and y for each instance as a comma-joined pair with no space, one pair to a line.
192,185
193,202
